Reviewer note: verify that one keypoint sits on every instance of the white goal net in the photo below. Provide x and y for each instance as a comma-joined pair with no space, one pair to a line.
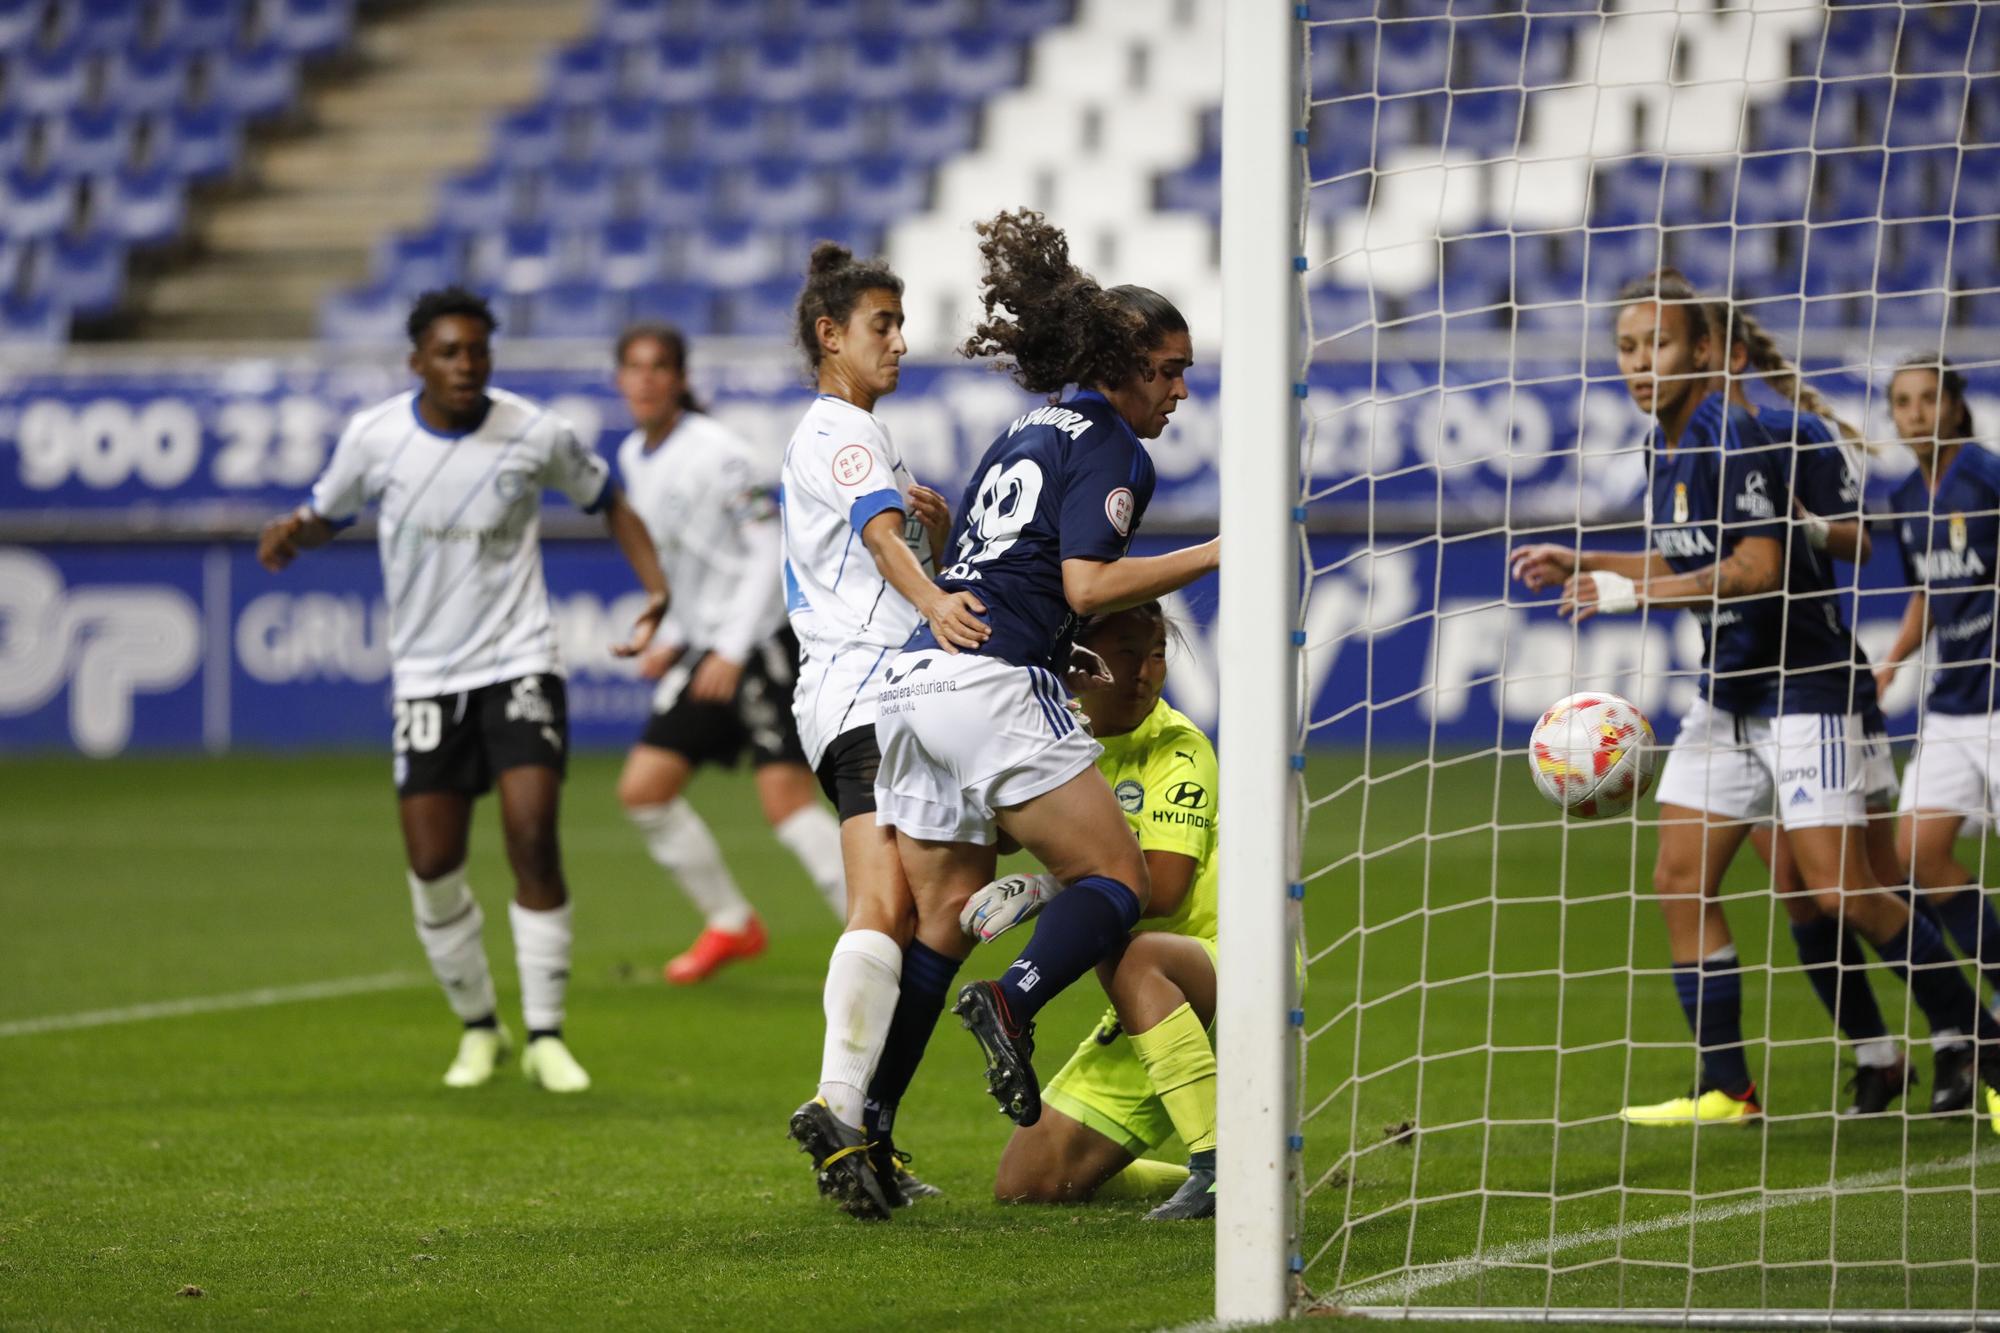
1485,982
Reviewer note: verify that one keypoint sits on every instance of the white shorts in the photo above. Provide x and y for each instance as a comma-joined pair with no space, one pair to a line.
1952,767
1878,770
1812,764
836,693
963,736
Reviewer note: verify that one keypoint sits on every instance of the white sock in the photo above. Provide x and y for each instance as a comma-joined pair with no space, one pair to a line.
449,923
812,834
541,951
863,979
1876,1055
682,844
1944,1038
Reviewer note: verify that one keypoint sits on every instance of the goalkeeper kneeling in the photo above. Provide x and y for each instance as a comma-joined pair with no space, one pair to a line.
1146,1075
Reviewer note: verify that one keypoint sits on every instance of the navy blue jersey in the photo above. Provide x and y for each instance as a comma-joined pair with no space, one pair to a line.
1724,481
1061,483
1950,542
1825,482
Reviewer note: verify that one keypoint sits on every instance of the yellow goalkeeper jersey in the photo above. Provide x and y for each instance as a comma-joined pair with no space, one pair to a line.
1164,775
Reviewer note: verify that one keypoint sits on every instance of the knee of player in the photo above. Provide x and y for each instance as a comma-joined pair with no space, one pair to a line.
1673,879
429,865
1013,1186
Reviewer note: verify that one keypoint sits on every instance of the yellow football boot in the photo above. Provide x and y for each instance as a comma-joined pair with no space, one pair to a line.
1712,1107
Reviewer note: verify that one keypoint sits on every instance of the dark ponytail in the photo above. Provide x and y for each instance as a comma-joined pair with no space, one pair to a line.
1052,321
673,342
835,280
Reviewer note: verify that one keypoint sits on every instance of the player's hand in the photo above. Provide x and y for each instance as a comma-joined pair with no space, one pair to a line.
1885,676
1579,598
715,680
1541,565
277,544
643,629
1005,904
954,618
657,662
934,512
1086,671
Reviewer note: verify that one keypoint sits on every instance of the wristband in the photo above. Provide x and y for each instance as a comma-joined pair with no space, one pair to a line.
1816,529
1616,594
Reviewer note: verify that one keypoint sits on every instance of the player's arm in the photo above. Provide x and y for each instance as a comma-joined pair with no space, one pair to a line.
1546,565
953,616
1172,875
628,530
1094,587
1754,568
756,594
288,534
1844,539
1910,636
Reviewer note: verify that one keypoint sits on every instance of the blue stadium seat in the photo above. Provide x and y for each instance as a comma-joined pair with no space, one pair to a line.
89,140
416,261
1336,308
309,27
372,314
1779,273
47,81
1917,182
794,249
827,130
1026,18
200,143
784,66
761,310
1718,256
104,25
18,21
148,79
1979,181
1942,36
1854,41
930,127
1787,121
678,68
140,206
483,198
631,22
37,202
828,18
1484,124
1840,259
85,273
254,81
1975,254
777,191
1341,136
32,320
583,73
934,18
521,257
1412,55
1927,111
1194,188
977,62
1328,200
878,60
1613,258
19,132
1476,271
1771,187
629,253
882,189
625,132
1850,187
581,194
733,253
574,310
732,129
1916,256
688,306
1923,315
201,25
530,136
1649,190
735,19
677,192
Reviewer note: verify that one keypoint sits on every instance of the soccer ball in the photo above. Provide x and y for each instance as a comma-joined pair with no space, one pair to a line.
1593,754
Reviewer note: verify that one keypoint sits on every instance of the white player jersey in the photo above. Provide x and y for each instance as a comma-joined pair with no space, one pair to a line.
711,504
460,533
840,470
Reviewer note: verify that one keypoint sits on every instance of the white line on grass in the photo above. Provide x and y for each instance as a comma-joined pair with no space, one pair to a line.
1399,1290
212,1004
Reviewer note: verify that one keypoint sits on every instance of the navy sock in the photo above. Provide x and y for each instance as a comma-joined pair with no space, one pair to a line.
1077,930
1711,993
1968,917
1917,955
1824,947
927,978
1202,1161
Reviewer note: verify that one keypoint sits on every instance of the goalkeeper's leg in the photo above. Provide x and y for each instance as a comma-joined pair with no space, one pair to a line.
1163,988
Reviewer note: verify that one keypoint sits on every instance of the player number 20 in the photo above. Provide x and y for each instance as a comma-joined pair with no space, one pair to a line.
1005,505
419,725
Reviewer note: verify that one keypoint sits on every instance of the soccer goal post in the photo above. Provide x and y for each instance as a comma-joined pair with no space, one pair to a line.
1439,992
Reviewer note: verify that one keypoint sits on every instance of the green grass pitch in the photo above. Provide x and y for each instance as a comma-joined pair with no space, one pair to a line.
300,1164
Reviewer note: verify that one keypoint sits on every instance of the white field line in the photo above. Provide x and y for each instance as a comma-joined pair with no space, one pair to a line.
1400,1289
212,1004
